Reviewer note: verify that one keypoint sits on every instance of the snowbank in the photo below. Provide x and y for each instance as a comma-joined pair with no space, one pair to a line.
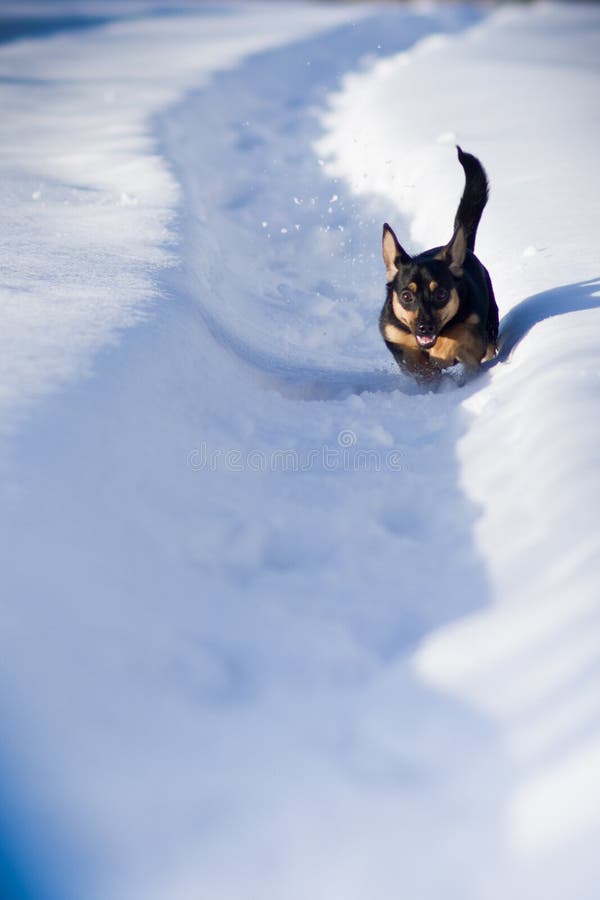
518,91
87,198
277,623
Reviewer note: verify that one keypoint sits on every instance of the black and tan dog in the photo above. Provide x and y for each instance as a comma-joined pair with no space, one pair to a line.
440,307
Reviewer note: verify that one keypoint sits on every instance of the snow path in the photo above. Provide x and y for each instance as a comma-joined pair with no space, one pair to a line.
87,201
221,656
234,543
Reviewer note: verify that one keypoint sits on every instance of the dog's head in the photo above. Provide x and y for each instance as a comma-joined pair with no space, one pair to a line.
424,294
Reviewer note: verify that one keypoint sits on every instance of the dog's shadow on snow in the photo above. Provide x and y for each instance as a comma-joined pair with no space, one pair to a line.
517,323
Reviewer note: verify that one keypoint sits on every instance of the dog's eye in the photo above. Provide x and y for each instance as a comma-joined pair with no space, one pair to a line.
441,294
406,297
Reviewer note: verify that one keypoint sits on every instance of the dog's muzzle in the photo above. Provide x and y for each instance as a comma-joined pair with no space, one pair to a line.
425,336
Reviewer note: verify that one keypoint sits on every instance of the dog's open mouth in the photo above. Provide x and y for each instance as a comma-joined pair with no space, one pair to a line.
426,341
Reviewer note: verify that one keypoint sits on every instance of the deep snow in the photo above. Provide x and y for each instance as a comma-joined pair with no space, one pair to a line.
277,623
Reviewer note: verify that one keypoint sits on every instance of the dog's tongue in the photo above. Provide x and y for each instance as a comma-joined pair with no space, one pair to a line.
426,342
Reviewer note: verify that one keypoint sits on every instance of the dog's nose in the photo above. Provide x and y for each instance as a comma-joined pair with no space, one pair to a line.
426,329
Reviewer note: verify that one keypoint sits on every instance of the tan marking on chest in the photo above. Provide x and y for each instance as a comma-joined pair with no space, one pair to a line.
458,344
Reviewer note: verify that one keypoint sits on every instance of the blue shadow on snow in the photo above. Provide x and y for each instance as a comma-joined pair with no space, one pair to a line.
517,323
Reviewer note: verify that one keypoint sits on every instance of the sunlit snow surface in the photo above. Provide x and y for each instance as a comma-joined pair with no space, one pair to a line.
276,623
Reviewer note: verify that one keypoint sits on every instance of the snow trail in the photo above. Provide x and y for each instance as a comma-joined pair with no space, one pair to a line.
529,660
238,575
87,201
258,573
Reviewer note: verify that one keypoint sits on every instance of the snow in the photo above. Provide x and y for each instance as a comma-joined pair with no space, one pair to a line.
277,622
89,200
526,659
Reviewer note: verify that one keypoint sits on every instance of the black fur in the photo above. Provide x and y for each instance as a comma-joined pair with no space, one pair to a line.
440,306
474,198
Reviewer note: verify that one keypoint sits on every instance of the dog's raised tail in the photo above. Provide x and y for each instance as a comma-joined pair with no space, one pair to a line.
475,196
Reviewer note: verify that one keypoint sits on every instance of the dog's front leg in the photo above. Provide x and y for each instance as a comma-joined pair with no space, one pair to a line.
407,353
458,343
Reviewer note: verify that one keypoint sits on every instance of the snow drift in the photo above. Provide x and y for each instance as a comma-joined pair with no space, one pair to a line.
276,622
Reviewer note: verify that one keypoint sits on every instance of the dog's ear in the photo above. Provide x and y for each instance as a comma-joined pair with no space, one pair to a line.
454,252
393,254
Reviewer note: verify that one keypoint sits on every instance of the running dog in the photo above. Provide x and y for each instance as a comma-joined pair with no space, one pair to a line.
440,307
